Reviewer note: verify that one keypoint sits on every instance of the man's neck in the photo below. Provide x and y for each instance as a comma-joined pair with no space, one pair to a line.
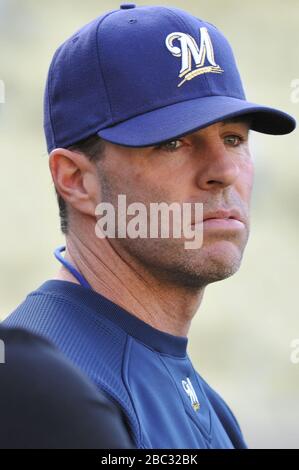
164,305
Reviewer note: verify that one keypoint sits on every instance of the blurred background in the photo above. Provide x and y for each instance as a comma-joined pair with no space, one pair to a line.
240,339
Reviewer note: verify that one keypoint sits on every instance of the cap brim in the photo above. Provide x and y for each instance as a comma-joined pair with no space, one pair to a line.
183,118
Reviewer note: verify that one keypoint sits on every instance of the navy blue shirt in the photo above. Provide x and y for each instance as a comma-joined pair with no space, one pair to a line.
148,372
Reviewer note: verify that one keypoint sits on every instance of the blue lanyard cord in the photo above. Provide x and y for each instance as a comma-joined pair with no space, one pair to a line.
70,267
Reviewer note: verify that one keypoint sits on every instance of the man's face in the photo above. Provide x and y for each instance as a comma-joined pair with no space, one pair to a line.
212,166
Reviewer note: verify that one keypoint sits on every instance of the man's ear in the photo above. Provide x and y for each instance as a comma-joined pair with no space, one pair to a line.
75,179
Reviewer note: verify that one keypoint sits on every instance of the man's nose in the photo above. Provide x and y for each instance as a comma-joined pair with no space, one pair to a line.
218,168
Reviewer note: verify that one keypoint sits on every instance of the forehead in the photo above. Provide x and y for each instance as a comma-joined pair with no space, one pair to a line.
244,121
238,120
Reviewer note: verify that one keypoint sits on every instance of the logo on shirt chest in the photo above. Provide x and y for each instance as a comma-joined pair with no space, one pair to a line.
188,387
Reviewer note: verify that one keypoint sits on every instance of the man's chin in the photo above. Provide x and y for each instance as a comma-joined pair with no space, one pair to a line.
219,260
214,261
211,263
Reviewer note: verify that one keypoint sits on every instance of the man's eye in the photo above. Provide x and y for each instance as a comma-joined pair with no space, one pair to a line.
233,140
171,145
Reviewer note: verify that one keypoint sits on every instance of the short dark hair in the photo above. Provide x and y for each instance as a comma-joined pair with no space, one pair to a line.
93,149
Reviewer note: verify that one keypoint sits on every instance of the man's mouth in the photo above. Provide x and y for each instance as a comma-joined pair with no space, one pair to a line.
222,220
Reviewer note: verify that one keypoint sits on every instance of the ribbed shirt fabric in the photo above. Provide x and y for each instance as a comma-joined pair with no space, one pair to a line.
145,371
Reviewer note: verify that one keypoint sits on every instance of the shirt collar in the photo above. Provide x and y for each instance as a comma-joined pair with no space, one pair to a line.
132,325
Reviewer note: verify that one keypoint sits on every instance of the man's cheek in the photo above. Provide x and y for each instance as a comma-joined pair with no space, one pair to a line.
245,181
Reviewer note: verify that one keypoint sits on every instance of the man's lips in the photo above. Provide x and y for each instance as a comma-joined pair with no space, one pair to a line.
222,219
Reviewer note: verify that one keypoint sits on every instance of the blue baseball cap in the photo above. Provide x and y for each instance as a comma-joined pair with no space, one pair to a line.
139,76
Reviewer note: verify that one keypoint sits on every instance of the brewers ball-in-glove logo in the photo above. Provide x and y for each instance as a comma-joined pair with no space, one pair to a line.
188,49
